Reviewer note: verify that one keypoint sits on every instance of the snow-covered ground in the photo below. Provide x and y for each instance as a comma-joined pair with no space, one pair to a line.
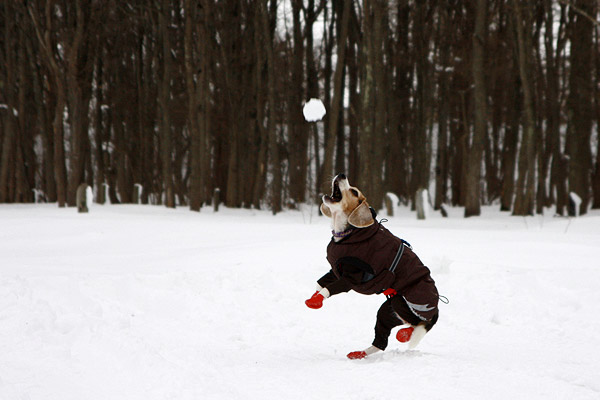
142,302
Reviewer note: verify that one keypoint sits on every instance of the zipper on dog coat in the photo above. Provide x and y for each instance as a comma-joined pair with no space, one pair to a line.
390,292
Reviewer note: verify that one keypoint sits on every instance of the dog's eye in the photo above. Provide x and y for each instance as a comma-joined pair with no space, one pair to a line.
354,192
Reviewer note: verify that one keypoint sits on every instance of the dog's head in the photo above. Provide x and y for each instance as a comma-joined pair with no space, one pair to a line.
346,206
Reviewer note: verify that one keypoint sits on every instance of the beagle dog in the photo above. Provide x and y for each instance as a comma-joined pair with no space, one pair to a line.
367,258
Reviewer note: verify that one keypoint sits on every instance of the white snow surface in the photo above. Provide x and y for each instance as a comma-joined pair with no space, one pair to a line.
313,110
142,302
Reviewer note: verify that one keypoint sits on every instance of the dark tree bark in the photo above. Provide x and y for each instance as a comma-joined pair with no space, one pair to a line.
335,108
372,95
193,97
473,179
164,100
352,66
298,128
77,105
511,138
56,71
7,98
419,140
525,198
399,157
596,175
558,168
47,184
380,149
271,128
441,166
500,70
579,105
99,134
261,101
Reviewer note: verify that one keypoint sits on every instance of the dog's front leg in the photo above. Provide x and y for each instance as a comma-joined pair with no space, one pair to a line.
357,355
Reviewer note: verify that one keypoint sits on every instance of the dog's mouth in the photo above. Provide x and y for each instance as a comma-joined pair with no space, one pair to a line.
336,193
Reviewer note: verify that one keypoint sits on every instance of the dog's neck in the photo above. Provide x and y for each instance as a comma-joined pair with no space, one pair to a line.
337,236
340,228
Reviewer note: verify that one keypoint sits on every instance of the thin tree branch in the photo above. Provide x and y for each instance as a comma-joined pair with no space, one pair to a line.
580,12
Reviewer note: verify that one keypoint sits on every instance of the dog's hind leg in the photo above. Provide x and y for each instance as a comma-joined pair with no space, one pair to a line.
417,334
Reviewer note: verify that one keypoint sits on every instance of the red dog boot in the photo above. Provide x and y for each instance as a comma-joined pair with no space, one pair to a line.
404,334
357,355
316,301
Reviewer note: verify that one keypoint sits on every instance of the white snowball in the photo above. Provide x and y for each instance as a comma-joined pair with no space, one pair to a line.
313,110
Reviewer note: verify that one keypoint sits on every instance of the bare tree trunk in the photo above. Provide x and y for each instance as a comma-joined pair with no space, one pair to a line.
6,97
372,113
56,73
579,104
192,97
473,179
524,201
558,172
23,157
509,151
230,54
165,92
354,95
380,34
441,168
329,40
271,128
367,90
60,171
261,98
334,115
596,175
419,142
76,107
340,148
46,164
298,128
124,185
99,133
398,180
312,85
206,51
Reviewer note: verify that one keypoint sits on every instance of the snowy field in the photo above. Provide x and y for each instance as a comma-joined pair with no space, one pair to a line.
142,302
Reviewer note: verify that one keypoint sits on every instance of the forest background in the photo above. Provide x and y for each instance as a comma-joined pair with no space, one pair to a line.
164,101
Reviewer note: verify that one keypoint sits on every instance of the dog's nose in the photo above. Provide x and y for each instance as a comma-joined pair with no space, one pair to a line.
341,176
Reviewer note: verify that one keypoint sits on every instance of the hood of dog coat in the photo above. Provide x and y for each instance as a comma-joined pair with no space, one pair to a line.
359,234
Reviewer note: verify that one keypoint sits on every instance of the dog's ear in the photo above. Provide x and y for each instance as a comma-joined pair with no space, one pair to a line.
361,216
325,210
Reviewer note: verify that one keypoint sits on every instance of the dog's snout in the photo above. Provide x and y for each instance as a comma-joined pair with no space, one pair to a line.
341,176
